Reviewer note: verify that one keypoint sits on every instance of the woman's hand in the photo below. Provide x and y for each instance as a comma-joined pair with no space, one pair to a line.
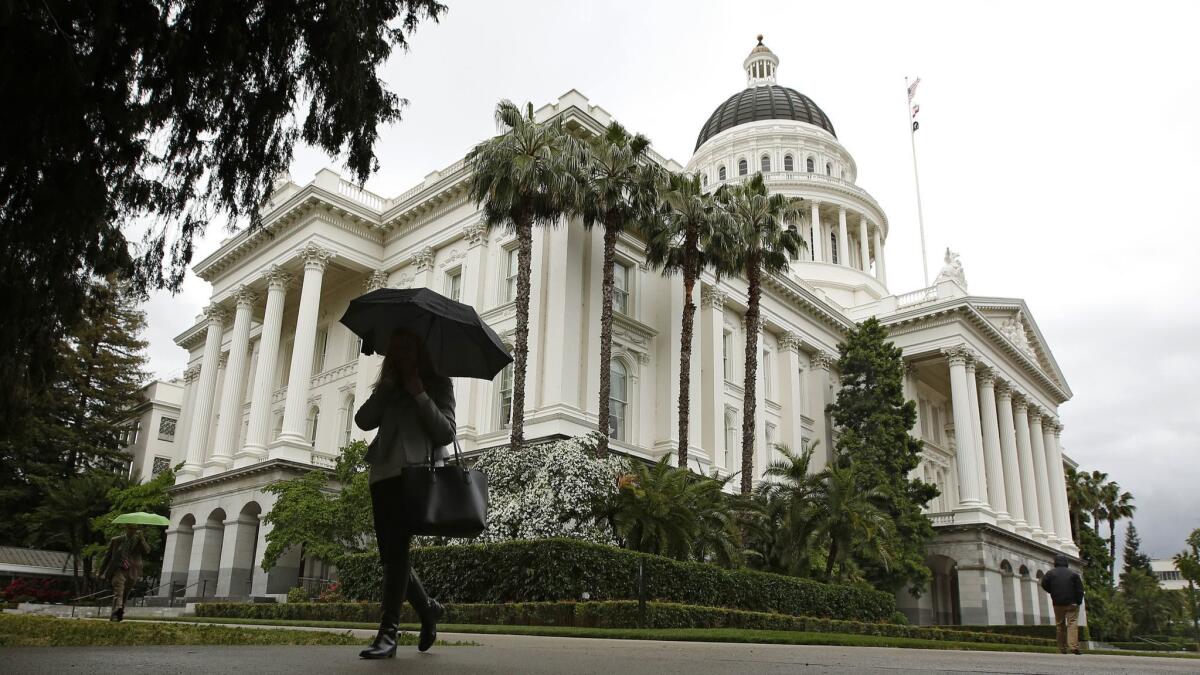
412,383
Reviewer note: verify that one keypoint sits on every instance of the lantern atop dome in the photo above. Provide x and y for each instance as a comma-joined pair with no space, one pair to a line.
760,65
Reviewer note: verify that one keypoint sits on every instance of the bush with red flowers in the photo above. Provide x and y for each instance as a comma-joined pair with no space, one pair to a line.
22,589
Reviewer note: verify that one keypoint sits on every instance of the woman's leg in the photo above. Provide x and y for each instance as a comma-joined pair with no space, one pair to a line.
396,585
393,553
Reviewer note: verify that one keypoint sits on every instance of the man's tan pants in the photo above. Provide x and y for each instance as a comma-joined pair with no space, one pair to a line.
119,584
1066,617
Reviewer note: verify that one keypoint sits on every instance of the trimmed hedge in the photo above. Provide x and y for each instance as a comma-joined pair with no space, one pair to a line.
1151,647
564,570
610,614
1042,630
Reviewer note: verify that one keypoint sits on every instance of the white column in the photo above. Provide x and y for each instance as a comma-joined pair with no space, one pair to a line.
818,237
264,375
843,238
1008,452
367,370
198,433
184,427
863,245
964,438
820,367
880,272
472,419
1041,474
1025,457
760,407
990,429
291,443
1058,487
230,421
790,390
977,432
712,396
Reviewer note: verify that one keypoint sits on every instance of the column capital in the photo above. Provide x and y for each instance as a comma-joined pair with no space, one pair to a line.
315,256
190,375
475,233
376,280
1003,389
790,342
711,296
841,209
985,375
1020,403
216,314
823,360
862,220
959,355
244,297
423,258
277,278
1057,429
1035,413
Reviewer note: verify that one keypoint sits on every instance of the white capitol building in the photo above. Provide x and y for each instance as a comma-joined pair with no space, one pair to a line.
273,378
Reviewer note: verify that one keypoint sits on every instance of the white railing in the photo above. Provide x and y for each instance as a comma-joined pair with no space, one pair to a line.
917,297
348,189
324,461
941,519
804,177
337,373
423,184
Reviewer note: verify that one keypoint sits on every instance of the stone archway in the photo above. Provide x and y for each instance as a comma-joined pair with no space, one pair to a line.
1028,600
1011,586
204,567
1043,600
943,591
177,557
238,553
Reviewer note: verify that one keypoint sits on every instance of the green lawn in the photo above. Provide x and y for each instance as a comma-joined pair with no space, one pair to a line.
689,635
46,631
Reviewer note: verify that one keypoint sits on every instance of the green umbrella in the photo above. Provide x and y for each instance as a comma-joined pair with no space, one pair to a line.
141,518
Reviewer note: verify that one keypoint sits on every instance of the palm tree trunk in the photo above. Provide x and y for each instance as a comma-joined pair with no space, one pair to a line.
521,339
1112,547
685,345
606,295
753,275
833,547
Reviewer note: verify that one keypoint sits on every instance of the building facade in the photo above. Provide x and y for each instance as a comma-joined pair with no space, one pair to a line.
274,378
1168,574
151,434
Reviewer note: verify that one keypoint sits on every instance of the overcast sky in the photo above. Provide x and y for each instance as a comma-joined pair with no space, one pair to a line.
1059,154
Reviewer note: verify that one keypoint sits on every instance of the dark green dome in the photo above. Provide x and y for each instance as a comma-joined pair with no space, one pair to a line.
764,102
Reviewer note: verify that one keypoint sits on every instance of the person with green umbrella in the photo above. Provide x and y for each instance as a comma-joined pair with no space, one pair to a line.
122,562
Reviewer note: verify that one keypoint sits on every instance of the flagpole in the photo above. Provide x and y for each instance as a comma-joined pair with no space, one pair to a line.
912,135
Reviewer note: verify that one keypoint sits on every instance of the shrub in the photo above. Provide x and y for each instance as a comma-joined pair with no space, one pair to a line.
297,594
608,614
561,569
331,593
22,589
1045,631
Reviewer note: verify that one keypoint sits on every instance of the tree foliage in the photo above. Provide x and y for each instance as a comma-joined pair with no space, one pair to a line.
873,419
160,115
1132,557
64,520
149,497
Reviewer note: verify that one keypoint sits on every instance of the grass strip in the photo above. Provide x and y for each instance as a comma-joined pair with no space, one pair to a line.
734,635
48,631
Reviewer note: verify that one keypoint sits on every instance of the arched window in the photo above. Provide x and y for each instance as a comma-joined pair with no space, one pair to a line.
787,163
618,398
828,169
766,164
833,251
743,168
504,397
731,439
314,418
704,179
721,173
810,165
348,424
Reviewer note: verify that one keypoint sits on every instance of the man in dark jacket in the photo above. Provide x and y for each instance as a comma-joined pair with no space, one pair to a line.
1066,593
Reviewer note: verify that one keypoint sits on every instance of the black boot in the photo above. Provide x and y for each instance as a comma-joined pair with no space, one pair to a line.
429,618
395,581
118,614
384,646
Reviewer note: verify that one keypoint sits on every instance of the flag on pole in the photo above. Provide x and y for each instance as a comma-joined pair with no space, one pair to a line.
913,107
912,89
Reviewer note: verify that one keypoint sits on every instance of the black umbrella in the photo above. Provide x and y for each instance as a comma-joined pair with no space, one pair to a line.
460,344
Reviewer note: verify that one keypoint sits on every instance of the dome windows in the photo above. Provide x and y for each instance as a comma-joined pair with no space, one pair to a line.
766,164
810,165
721,172
828,169
787,163
743,167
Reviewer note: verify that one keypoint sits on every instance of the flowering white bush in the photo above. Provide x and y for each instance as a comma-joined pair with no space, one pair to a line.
548,490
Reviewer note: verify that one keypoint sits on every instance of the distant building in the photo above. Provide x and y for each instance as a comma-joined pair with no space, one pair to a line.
152,435
1168,575
32,562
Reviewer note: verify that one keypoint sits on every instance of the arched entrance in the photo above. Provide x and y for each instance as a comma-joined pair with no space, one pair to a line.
1028,601
943,591
1043,600
1011,586
177,556
237,553
205,564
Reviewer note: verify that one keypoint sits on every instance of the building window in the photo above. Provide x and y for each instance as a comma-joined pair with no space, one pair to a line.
828,169
743,167
618,397
726,347
809,165
160,465
454,284
621,287
349,423
787,163
771,449
505,397
166,429
721,173
833,250
319,351
510,276
766,164
923,408
936,422
730,435
314,419
768,381
704,179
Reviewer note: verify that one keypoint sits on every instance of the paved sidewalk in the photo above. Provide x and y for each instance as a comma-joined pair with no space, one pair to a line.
504,654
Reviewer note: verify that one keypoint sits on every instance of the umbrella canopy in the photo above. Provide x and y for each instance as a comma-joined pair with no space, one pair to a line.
460,344
141,518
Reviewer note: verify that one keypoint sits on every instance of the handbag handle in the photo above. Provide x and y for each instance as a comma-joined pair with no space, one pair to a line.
457,454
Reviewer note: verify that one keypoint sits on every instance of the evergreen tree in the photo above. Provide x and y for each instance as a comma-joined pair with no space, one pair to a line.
1133,557
873,420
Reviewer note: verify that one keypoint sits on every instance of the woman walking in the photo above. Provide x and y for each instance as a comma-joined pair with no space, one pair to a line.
413,408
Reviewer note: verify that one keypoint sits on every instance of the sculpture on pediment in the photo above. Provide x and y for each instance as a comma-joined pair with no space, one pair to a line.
952,270
1014,330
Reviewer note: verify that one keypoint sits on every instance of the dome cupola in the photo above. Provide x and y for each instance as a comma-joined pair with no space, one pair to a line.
760,65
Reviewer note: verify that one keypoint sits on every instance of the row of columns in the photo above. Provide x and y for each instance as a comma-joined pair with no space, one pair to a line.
1008,453
816,239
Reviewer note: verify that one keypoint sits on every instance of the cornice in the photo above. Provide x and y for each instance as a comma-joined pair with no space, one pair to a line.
235,474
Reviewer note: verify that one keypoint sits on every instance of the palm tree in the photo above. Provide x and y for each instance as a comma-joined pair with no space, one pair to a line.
849,517
64,520
1117,505
522,178
1081,500
1094,486
765,243
688,234
653,509
616,189
795,489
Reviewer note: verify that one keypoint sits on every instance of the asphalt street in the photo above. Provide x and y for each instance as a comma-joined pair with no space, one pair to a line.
506,654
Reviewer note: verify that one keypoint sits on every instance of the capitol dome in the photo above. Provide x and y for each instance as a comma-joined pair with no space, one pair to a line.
764,102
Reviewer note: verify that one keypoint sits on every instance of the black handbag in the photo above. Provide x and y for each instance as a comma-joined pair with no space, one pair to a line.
444,501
